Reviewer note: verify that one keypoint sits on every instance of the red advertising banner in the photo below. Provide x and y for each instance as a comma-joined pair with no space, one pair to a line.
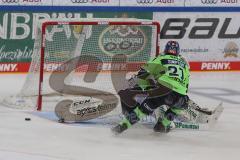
195,66
14,67
215,66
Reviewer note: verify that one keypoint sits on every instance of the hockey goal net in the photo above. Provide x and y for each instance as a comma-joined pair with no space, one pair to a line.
80,53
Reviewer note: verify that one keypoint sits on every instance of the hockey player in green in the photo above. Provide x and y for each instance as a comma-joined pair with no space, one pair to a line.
161,81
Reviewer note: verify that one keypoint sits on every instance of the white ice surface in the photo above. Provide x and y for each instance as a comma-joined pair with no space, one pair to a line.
43,139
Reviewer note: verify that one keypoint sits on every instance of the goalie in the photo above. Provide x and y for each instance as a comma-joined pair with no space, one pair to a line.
161,81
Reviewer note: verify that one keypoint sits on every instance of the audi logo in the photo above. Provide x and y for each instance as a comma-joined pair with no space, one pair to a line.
209,1
144,1
79,1
10,1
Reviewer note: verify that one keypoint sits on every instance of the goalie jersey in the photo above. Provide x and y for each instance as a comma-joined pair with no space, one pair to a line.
168,70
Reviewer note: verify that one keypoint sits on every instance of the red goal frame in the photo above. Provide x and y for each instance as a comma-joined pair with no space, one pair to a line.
97,22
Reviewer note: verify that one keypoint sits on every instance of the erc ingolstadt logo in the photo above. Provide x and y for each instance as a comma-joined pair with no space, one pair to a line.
127,40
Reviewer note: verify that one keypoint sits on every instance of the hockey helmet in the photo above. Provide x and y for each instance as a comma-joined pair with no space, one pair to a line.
172,48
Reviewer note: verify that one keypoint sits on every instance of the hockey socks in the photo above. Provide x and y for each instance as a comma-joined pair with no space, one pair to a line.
164,123
129,119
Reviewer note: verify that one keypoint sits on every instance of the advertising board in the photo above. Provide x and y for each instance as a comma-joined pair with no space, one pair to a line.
203,36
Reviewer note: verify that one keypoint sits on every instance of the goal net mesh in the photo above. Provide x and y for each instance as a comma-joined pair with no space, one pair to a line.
83,54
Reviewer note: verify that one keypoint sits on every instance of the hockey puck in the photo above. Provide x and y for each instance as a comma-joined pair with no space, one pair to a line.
27,119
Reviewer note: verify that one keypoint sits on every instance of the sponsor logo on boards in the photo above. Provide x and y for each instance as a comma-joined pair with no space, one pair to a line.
90,1
216,66
8,67
165,1
10,1
79,1
144,1
229,1
122,39
218,1
231,50
209,1
20,1
181,25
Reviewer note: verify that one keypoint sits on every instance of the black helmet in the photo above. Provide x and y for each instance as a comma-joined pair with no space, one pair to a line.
172,47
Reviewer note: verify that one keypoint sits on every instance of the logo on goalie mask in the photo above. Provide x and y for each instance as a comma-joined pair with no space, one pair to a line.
123,39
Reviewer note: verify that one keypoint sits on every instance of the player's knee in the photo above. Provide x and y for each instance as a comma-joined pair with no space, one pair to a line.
127,98
122,92
125,108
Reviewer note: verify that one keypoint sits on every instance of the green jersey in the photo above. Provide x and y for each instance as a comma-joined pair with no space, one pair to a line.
170,71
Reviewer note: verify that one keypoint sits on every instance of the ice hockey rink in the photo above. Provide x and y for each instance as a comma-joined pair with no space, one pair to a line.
44,139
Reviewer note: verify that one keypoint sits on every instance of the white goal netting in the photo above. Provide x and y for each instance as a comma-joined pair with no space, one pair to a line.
75,58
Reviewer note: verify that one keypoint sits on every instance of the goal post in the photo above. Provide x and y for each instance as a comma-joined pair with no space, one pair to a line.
60,40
